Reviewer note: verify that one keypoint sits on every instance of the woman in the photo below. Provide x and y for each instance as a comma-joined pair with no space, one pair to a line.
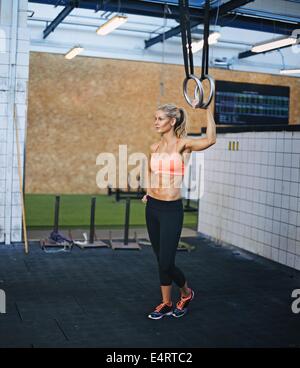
164,208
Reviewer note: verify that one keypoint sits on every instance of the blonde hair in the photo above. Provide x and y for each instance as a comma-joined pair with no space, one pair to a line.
179,113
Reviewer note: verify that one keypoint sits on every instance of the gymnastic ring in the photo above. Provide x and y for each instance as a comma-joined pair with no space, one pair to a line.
211,90
198,93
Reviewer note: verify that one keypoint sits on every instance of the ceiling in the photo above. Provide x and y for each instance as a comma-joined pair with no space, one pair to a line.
257,21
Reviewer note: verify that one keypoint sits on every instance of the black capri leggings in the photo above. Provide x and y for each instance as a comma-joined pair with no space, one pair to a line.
164,221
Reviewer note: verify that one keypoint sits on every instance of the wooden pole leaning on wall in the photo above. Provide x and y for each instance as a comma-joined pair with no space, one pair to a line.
15,118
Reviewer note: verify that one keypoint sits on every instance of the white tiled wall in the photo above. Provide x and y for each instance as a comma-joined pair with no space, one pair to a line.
14,69
251,196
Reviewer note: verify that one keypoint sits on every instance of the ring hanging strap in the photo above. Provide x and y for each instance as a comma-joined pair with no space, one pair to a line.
205,58
186,37
205,51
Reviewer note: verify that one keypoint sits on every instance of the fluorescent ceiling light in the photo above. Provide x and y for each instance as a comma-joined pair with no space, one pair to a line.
73,52
290,71
111,24
212,38
274,44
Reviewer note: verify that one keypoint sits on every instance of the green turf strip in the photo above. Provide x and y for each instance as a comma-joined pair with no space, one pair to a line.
75,212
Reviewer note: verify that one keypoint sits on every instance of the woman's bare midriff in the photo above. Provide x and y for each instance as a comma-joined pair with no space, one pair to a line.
170,193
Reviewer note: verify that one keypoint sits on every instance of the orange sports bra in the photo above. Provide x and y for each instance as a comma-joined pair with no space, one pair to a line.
167,163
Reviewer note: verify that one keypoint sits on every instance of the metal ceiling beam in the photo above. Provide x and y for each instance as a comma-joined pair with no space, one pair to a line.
137,7
231,5
245,54
241,22
223,10
258,24
61,16
150,8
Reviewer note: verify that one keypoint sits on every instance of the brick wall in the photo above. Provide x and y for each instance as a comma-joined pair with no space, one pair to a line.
80,108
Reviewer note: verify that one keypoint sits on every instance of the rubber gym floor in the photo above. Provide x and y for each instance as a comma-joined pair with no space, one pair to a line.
101,298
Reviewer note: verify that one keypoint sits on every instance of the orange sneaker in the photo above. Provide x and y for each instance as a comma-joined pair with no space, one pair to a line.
161,310
181,306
